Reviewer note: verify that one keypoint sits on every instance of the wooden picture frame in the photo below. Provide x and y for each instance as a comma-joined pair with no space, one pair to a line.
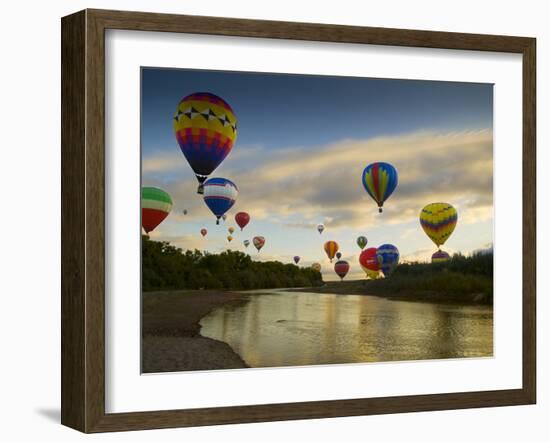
83,220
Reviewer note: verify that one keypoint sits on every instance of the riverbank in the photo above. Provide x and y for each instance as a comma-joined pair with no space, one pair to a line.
171,339
449,288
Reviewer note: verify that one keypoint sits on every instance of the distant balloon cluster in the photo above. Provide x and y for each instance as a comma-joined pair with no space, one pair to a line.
205,128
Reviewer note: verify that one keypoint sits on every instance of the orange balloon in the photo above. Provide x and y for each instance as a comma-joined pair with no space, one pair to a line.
331,247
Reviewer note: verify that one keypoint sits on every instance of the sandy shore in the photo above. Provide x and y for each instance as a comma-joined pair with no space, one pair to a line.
171,332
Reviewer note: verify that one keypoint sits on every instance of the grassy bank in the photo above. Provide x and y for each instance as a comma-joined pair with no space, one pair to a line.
446,288
467,280
171,339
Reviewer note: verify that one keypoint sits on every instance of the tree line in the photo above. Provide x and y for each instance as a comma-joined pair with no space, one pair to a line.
166,267
480,263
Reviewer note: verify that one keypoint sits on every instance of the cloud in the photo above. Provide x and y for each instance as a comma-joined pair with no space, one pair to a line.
294,189
306,186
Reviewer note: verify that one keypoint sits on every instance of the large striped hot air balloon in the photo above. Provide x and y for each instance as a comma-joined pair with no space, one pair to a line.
156,204
341,268
438,221
331,247
379,180
388,257
206,128
369,262
440,256
220,195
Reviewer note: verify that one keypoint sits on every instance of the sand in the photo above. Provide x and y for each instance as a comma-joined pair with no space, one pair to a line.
171,332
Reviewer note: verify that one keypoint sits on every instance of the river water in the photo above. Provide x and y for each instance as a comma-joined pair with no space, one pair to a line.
278,328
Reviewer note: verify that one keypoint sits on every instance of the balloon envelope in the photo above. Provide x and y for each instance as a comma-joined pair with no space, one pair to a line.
204,232
320,228
379,180
440,256
362,242
231,229
156,204
388,257
438,221
338,255
372,274
341,268
368,260
242,219
219,195
246,242
229,238
316,266
296,259
331,247
205,127
258,242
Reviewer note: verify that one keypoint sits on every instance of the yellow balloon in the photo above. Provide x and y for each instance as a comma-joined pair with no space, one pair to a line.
438,221
372,274
229,238
231,230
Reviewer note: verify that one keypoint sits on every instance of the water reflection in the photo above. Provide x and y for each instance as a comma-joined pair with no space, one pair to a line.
279,329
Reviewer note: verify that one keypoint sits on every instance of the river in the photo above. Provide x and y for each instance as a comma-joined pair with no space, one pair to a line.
277,328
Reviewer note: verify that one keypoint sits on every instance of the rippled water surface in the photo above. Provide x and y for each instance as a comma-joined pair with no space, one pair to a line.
284,328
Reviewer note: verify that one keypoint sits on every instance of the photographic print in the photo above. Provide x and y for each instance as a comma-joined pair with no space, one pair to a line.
295,220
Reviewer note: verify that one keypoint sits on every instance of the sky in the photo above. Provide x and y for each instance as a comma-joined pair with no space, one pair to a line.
302,144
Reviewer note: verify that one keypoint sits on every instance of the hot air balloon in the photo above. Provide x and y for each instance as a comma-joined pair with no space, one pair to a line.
185,211
224,216
219,195
438,221
331,247
341,268
320,228
372,274
362,242
242,219
316,266
379,180
440,256
156,204
205,128
246,242
388,257
229,238
204,232
369,261
338,255
231,230
296,259
258,242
